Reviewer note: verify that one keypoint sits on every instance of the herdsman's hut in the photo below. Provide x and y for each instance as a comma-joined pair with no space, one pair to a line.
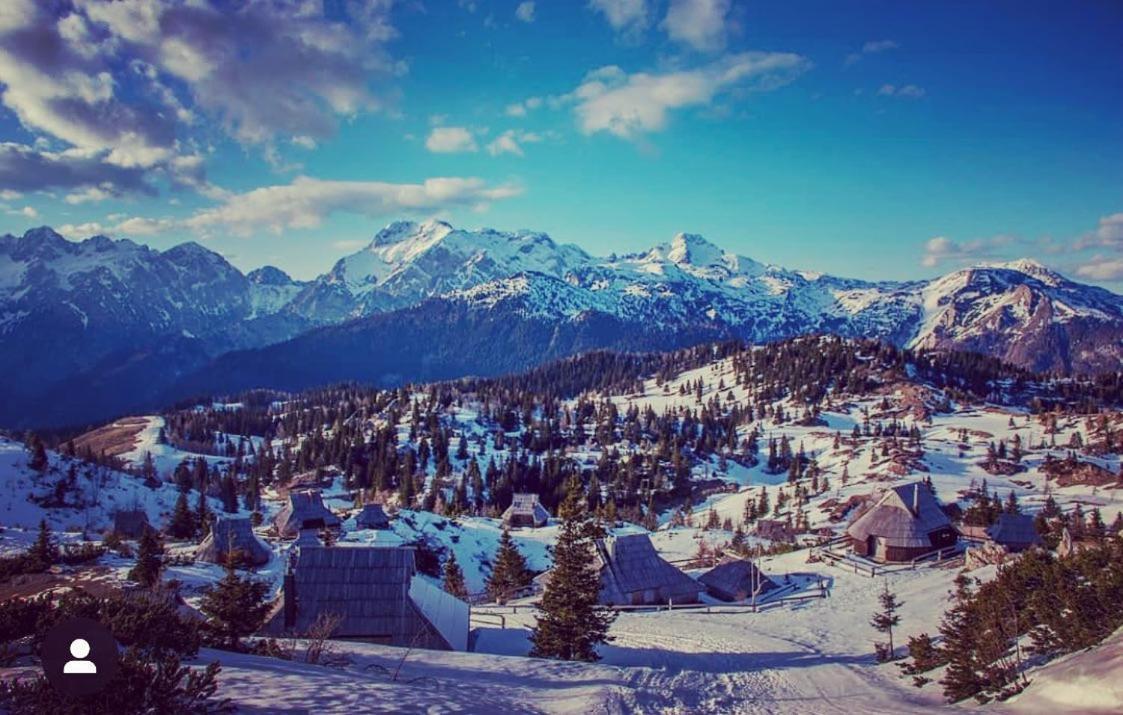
375,593
130,523
1014,531
906,522
736,580
373,516
525,512
304,510
632,573
232,536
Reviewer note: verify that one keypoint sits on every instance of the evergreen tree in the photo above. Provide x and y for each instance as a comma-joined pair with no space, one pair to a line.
38,459
509,574
203,514
454,578
571,623
43,552
235,607
149,559
884,620
182,524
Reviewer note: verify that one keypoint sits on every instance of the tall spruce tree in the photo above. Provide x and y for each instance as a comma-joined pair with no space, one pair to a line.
235,607
43,552
182,524
509,574
453,582
149,559
571,624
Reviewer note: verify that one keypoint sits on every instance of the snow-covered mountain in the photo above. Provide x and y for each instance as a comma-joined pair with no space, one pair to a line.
98,315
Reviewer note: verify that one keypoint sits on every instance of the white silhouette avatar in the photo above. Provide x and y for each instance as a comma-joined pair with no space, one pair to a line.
79,649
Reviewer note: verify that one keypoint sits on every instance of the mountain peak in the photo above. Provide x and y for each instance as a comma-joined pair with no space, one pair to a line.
270,276
693,249
399,231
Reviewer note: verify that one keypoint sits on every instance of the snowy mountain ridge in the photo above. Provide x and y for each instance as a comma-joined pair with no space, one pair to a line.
108,314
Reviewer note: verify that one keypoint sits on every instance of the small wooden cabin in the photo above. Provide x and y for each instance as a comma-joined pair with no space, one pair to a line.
905,523
130,523
376,594
633,573
373,516
233,536
304,510
736,580
525,512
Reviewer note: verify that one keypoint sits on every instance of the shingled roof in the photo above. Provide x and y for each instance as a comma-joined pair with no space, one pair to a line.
373,516
1014,530
630,564
736,580
904,517
232,534
373,591
525,510
304,510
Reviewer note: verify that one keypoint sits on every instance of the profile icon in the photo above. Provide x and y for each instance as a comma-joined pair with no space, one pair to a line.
79,656
79,649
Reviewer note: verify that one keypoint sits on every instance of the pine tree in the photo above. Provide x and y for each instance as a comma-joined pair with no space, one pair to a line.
182,524
43,552
203,514
38,459
571,623
509,574
454,578
149,560
884,620
235,607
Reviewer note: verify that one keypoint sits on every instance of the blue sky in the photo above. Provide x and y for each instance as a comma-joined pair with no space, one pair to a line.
875,140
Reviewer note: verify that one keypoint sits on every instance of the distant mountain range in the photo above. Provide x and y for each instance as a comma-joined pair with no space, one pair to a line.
94,328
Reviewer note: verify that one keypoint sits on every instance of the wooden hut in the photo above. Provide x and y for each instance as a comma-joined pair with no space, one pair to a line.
377,596
905,523
373,516
304,510
130,523
775,530
1014,531
525,512
632,573
736,580
233,536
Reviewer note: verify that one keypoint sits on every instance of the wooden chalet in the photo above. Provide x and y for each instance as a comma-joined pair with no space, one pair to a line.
905,523
130,523
736,580
525,512
633,573
377,595
233,537
304,510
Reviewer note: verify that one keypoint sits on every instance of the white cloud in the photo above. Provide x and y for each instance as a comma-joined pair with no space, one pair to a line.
908,91
701,24
305,202
521,109
628,17
125,83
26,212
525,11
352,244
1108,233
942,249
1101,268
88,194
872,47
450,140
511,141
610,100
